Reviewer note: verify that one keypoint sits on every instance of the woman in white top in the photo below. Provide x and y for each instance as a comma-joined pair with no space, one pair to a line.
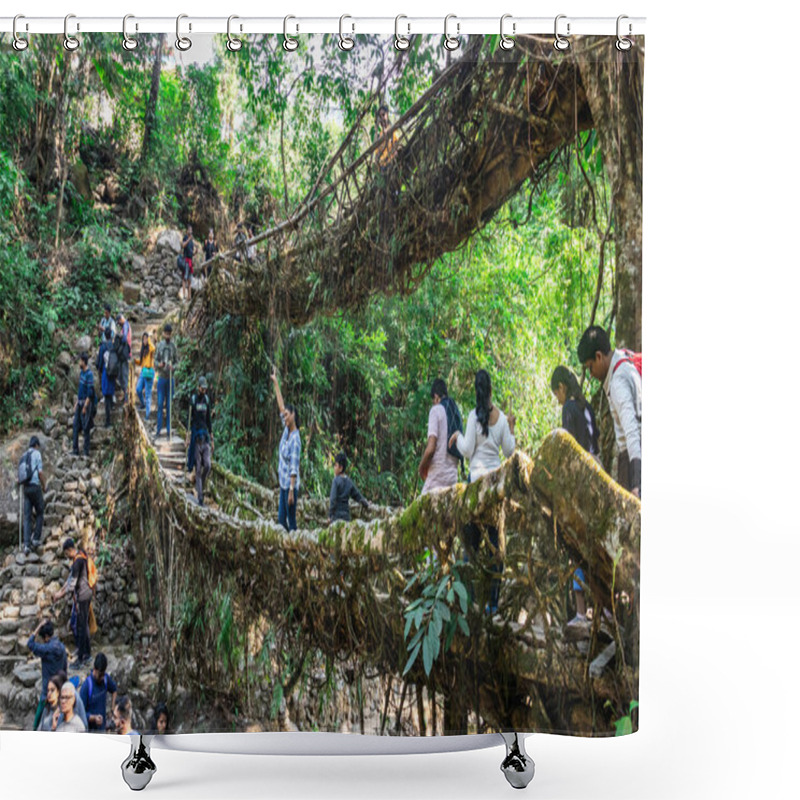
488,432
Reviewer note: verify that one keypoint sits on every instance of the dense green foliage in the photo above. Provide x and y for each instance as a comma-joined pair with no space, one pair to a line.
256,130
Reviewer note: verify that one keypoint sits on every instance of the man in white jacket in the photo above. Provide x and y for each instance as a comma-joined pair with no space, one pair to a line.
622,383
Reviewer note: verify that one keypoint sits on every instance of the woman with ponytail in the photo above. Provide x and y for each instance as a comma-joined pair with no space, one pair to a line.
488,432
577,416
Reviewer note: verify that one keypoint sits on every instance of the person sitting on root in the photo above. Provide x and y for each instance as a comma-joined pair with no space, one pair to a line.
489,431
578,419
288,461
66,720
342,490
200,439
54,659
144,386
386,153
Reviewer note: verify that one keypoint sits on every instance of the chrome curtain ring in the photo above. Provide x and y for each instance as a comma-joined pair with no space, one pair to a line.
233,44
346,42
182,43
128,43
18,43
506,42
451,42
623,43
401,42
290,43
70,42
560,43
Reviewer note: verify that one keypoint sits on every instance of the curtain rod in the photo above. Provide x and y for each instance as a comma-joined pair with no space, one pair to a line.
407,25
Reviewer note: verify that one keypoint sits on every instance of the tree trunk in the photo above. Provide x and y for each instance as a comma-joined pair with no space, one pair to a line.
613,84
150,119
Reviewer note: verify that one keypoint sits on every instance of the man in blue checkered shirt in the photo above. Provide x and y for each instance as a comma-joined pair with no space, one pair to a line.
289,462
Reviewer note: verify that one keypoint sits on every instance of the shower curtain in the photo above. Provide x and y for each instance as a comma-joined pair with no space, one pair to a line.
373,460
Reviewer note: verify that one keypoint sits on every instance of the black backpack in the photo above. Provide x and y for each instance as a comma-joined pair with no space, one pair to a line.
454,423
25,469
112,365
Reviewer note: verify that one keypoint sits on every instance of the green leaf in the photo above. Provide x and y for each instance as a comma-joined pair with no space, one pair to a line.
411,659
624,726
462,623
462,595
427,655
409,620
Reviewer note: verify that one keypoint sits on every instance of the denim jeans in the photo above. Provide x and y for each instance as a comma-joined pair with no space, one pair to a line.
287,514
81,422
144,391
163,399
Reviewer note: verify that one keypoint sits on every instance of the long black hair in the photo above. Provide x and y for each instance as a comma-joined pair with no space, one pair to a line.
483,399
562,375
145,350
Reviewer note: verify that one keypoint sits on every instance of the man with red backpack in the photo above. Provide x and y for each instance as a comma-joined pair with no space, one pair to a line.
81,581
620,372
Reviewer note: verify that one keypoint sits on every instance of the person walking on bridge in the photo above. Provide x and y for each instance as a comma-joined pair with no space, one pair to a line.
489,432
210,249
166,360
200,439
188,245
144,386
288,461
622,383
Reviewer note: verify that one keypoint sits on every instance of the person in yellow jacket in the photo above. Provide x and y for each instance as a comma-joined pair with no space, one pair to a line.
144,387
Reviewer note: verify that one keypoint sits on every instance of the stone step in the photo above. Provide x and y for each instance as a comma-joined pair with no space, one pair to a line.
8,664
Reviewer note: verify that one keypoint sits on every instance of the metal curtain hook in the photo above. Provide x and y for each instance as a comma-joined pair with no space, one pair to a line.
560,42
506,42
346,42
290,43
70,42
19,43
623,43
401,42
451,42
233,44
182,43
128,43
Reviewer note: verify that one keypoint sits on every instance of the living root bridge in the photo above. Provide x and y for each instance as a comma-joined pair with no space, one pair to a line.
340,591
486,125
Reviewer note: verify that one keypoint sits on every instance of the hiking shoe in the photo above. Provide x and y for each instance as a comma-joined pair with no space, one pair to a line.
76,664
27,551
75,453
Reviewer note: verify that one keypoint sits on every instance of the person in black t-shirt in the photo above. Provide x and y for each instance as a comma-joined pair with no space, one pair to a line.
210,249
577,418
342,489
200,439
